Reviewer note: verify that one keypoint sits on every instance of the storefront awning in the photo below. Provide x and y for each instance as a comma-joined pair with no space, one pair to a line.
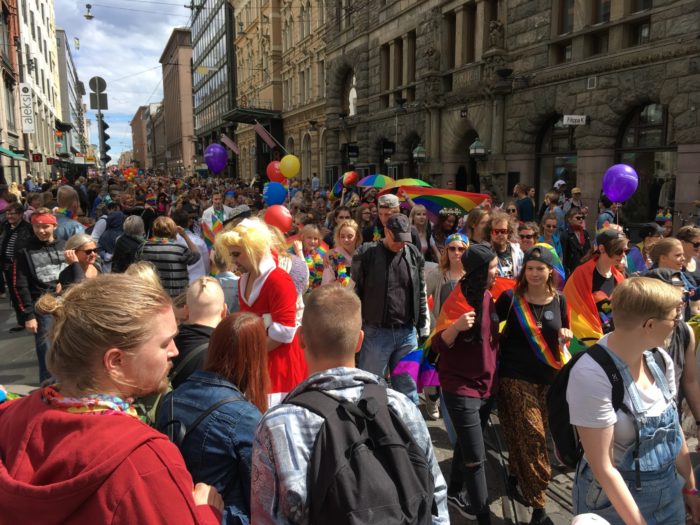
251,115
12,154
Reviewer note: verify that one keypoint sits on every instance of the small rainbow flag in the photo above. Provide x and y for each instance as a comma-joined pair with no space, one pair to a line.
210,232
435,199
151,198
559,272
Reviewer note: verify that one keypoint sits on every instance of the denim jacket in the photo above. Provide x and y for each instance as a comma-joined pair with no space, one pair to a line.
285,439
218,451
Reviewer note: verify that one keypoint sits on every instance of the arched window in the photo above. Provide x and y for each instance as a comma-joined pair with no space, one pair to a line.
646,144
556,156
321,7
307,19
290,146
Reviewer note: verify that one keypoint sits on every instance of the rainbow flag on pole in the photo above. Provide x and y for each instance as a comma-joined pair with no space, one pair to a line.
435,199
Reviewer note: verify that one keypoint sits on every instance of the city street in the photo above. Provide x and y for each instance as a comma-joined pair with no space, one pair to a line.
19,371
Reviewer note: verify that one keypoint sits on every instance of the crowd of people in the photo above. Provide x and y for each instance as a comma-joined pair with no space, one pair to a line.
174,303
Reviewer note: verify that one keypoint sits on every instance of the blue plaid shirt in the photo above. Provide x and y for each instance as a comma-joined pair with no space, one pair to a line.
284,443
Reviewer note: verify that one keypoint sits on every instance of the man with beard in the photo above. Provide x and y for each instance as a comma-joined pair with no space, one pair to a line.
499,232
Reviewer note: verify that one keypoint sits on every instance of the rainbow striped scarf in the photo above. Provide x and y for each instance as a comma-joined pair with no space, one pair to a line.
65,212
533,333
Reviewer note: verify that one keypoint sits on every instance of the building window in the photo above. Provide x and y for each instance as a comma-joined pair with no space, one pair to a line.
556,155
637,33
641,5
596,43
644,143
321,77
566,16
601,11
449,37
9,106
560,53
302,88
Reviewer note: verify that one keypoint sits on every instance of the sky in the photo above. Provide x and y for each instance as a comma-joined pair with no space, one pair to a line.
122,44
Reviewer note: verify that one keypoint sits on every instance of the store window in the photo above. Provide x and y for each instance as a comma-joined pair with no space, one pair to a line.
556,156
645,144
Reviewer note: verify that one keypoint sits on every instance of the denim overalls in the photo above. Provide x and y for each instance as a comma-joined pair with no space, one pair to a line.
652,479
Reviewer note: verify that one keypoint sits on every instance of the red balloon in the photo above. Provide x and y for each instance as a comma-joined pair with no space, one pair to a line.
350,178
274,173
279,216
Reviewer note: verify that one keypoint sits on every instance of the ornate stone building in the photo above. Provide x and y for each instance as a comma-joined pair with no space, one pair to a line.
281,82
403,74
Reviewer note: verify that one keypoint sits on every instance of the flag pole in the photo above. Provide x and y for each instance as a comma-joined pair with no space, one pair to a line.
273,138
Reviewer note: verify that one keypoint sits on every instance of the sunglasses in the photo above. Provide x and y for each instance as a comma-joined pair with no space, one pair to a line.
620,252
527,236
457,249
695,245
512,210
579,217
88,252
551,226
500,231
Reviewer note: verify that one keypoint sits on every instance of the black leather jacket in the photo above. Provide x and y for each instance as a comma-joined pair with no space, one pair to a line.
36,272
369,271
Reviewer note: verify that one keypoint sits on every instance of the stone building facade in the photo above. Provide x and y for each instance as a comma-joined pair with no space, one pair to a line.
139,143
404,73
281,82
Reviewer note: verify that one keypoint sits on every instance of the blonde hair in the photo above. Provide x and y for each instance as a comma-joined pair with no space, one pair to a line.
90,318
78,240
349,223
412,216
640,298
309,229
144,270
164,227
331,322
663,247
252,235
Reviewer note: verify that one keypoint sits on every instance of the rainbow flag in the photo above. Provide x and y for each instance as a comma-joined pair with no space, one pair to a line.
415,363
210,232
435,199
585,320
151,199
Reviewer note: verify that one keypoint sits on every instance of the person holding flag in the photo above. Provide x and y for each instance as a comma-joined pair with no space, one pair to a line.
533,349
214,217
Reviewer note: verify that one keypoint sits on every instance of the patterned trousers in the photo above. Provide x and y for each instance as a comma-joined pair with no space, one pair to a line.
522,412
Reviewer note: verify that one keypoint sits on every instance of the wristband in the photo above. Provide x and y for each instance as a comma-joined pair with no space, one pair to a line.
690,492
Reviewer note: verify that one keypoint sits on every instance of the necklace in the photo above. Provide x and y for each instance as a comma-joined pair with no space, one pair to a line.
538,317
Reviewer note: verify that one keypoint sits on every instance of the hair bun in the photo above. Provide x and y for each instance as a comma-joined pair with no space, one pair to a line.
49,304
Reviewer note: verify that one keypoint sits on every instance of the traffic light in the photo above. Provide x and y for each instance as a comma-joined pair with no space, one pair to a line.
104,137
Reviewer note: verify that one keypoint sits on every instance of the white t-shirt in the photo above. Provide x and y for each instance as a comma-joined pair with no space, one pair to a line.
589,394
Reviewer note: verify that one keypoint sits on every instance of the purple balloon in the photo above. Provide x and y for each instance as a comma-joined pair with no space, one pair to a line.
620,182
216,157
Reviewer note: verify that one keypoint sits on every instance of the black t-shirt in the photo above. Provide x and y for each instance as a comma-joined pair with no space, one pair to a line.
399,302
505,262
517,359
602,290
189,338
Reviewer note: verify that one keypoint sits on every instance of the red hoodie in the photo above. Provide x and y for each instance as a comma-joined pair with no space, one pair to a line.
57,467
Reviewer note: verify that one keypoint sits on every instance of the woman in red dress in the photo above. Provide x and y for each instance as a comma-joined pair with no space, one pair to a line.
268,291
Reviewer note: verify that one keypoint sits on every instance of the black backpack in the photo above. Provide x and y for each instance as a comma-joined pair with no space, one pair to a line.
567,447
365,466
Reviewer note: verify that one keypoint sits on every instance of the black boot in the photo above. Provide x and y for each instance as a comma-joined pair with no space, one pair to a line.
539,517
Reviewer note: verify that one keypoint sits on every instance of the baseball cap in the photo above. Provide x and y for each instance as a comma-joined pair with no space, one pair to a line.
539,254
477,256
400,227
667,275
609,235
576,189
650,229
559,183
388,201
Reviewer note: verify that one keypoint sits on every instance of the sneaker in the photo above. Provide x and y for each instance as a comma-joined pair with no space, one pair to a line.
541,520
17,328
432,409
458,503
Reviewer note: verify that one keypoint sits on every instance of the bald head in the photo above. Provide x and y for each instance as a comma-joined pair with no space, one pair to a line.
205,302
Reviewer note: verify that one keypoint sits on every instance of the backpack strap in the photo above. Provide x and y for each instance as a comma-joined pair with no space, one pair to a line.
182,431
601,356
196,352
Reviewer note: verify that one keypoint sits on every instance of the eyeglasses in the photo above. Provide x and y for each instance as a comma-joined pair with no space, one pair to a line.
88,252
579,217
457,249
527,236
500,231
512,210
676,320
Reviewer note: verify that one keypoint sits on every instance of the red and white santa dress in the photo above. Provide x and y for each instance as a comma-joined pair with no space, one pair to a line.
273,297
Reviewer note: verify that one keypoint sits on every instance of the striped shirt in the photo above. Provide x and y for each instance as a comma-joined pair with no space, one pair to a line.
171,261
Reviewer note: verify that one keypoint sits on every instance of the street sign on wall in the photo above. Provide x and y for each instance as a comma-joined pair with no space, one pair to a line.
574,120
26,108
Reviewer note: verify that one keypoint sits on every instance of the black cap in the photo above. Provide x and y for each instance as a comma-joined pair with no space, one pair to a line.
650,229
476,256
539,254
609,235
667,275
400,227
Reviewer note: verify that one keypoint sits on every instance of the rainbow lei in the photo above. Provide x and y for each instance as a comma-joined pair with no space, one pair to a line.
96,404
65,212
314,260
339,264
161,240
534,336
